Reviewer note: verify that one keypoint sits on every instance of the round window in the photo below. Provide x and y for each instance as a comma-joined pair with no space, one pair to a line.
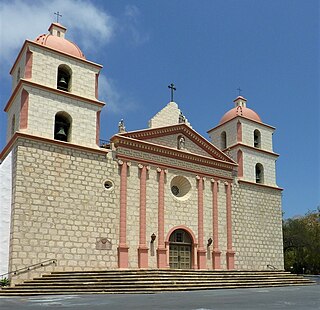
108,185
180,187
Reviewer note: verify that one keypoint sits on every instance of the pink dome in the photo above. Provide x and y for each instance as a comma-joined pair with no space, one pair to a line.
60,44
240,111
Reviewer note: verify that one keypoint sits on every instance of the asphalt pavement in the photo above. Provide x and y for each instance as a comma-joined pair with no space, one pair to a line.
293,298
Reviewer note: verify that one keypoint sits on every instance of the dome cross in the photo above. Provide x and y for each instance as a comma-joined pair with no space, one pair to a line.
58,15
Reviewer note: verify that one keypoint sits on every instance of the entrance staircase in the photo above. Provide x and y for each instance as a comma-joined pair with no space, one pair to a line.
150,281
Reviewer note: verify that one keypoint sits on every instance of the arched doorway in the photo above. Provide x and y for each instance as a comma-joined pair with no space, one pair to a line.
180,249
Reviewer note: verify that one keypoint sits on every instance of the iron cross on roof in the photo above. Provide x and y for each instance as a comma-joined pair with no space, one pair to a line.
172,88
240,90
58,15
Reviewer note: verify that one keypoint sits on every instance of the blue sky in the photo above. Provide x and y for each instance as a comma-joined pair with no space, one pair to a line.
208,48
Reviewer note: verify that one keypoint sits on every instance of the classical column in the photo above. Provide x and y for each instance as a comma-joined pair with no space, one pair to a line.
161,251
143,249
201,250
123,248
230,252
216,253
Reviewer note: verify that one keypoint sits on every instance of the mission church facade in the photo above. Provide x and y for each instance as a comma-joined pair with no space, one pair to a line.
160,197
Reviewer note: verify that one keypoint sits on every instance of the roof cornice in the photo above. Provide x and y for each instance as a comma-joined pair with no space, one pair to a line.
241,145
24,82
244,118
261,185
20,135
29,42
130,143
176,129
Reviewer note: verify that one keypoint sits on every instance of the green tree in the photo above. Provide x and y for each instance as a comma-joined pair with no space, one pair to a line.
301,240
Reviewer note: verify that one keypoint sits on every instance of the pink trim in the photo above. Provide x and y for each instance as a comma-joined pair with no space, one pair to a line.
161,251
194,243
125,157
24,109
195,137
230,252
28,65
261,185
50,89
216,253
240,117
32,43
171,152
201,249
97,86
240,163
253,148
68,145
239,131
123,248
98,127
143,250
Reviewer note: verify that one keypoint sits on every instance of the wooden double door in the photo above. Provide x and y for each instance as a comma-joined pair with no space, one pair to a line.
180,247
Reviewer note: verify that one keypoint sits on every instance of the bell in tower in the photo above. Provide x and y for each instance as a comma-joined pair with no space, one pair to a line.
62,127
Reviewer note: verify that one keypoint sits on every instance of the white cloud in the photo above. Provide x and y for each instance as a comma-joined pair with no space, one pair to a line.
116,101
27,19
131,23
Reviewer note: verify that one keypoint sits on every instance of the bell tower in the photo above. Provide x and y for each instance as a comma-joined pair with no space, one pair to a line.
54,91
248,140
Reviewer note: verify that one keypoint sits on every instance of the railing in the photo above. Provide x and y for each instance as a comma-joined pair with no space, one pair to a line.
28,268
104,144
271,267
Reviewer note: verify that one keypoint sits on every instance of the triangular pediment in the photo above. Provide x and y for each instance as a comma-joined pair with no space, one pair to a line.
170,137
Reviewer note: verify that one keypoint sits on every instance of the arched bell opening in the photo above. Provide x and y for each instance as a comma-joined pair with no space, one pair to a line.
62,127
64,78
259,173
257,139
223,140
180,249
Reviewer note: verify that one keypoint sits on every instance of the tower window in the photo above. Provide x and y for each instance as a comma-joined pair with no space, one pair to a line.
64,78
223,140
259,174
257,138
62,126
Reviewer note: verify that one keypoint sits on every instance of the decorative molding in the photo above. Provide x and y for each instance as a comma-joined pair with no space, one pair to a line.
24,82
261,185
180,129
18,135
126,142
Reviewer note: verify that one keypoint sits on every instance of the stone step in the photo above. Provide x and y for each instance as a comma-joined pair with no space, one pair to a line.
152,281
147,290
156,280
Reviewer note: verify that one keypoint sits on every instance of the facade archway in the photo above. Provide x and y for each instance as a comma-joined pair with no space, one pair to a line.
181,243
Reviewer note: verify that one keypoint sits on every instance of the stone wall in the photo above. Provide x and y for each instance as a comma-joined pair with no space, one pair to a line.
62,209
84,116
257,227
5,211
45,65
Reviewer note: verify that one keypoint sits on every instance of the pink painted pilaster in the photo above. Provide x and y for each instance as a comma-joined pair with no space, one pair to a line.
240,163
201,249
143,249
239,132
98,127
216,253
28,65
161,251
24,109
97,86
123,248
230,252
